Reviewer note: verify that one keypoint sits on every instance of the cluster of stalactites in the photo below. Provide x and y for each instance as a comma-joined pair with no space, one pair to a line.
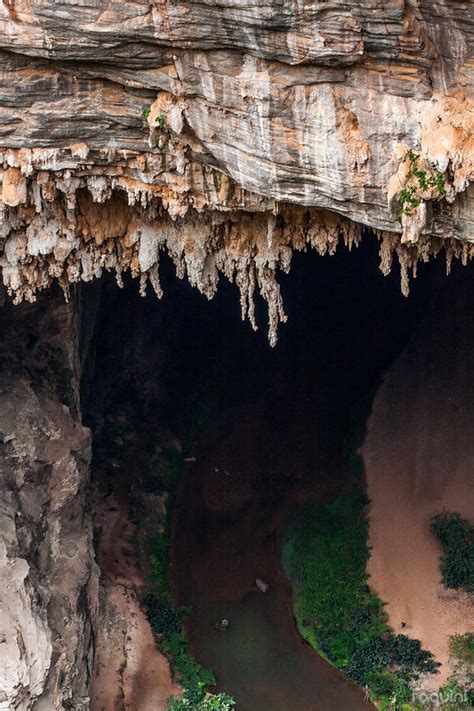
77,244
410,255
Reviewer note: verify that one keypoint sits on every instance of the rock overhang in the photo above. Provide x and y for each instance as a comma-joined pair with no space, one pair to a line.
230,135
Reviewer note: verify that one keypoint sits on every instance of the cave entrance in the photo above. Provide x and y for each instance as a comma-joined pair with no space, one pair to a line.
193,412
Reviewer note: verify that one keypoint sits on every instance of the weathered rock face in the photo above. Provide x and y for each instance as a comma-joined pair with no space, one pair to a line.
49,580
272,127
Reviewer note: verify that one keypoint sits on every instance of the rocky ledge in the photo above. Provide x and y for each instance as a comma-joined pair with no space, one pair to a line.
231,134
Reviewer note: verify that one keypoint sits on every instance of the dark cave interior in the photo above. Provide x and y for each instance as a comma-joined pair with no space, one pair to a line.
190,363
265,429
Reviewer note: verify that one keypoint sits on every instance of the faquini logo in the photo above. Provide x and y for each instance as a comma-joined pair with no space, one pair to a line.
436,698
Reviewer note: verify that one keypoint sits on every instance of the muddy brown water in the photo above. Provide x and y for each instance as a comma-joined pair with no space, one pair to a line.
225,536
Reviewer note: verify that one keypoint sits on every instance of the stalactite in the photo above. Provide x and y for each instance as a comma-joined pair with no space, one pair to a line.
60,231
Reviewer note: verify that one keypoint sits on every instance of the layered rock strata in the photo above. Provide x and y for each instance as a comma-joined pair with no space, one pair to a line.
230,134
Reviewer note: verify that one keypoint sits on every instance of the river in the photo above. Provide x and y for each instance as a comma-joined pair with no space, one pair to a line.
225,537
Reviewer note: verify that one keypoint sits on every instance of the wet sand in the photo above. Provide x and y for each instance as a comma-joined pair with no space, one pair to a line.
419,456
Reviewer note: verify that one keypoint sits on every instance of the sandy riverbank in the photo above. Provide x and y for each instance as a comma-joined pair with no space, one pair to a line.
419,456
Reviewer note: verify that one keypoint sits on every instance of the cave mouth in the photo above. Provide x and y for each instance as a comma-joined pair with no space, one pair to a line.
257,432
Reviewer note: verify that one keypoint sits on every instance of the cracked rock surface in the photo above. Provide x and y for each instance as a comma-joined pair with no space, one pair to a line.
206,128
49,579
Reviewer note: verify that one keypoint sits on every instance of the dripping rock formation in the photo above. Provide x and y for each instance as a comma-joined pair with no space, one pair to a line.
231,134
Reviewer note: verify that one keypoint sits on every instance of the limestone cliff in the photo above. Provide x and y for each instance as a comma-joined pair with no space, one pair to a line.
229,134
48,592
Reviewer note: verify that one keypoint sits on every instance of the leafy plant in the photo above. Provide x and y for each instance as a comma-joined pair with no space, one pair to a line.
390,691
454,696
145,112
325,554
163,619
158,565
209,702
161,120
456,536
409,200
397,654
159,537
189,673
410,196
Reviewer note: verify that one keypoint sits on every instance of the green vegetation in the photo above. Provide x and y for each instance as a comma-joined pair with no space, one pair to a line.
455,697
210,702
325,553
161,120
410,196
167,623
191,675
157,545
456,537
461,647
165,620
459,691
